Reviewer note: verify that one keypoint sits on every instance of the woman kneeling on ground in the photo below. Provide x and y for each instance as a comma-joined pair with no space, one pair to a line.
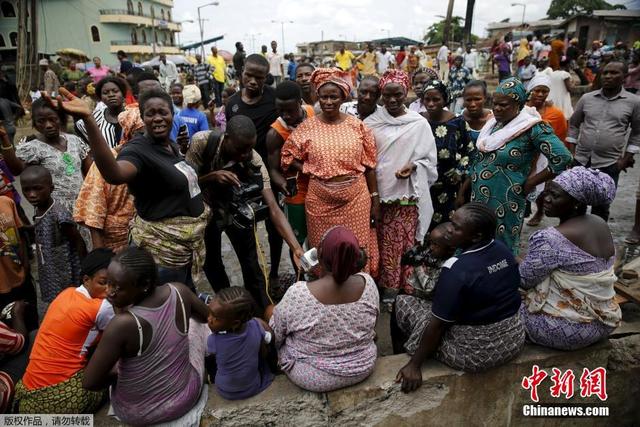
159,352
473,323
325,329
568,272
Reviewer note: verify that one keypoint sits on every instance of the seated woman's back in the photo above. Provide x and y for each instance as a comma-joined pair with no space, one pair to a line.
589,233
330,325
327,291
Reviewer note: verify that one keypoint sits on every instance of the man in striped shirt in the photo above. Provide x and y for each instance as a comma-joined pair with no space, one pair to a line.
14,354
202,75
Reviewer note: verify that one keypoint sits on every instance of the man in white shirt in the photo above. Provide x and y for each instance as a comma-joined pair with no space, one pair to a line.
385,59
537,48
470,60
443,63
275,63
422,57
168,72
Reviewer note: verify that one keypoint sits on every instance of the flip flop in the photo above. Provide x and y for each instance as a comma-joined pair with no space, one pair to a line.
632,240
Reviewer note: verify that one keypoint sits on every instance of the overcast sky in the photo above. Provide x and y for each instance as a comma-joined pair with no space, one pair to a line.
315,20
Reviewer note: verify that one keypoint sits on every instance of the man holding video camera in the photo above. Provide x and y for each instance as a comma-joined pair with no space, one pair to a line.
236,185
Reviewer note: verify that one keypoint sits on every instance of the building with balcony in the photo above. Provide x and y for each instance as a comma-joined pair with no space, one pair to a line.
141,28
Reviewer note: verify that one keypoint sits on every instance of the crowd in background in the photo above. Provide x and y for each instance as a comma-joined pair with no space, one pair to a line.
407,174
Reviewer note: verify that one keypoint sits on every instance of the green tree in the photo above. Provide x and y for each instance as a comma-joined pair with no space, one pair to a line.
435,32
567,8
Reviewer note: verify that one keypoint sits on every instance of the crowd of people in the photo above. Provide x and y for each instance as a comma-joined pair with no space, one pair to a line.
415,205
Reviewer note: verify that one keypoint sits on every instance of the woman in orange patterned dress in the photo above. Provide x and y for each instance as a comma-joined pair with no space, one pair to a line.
338,152
104,208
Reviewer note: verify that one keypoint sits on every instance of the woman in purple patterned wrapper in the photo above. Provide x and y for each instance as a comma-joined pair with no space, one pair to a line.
568,273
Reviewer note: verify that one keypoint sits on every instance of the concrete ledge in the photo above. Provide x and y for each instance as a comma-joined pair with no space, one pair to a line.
447,397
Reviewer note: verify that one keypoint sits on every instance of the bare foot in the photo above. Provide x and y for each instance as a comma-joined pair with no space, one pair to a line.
535,221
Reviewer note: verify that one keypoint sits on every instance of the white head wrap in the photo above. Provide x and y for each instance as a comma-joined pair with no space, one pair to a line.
540,79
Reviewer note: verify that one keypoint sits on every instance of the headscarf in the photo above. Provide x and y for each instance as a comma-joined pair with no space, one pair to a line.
539,79
433,74
514,89
322,76
440,87
395,76
588,186
340,253
95,261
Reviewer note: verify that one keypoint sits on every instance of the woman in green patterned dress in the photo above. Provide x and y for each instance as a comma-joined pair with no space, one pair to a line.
501,171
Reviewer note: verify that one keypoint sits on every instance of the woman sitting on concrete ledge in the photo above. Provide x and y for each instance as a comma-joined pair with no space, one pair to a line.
568,272
473,323
325,329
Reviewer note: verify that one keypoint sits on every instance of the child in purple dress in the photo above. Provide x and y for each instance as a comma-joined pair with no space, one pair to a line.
239,342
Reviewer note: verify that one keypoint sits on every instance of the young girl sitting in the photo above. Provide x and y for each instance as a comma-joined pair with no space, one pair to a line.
239,343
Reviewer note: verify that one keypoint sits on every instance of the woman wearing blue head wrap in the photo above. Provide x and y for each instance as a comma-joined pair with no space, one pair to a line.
501,171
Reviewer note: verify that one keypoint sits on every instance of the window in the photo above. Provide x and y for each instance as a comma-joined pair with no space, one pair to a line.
165,39
13,37
134,36
139,9
155,37
95,34
144,37
168,15
153,12
2,43
7,10
130,7
162,14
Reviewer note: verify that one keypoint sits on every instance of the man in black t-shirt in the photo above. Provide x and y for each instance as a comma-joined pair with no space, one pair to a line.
258,102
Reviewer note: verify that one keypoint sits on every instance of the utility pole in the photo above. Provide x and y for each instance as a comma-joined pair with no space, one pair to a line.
446,36
22,65
468,22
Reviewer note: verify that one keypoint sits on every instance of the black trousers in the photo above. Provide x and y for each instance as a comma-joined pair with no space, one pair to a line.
612,170
205,90
244,245
218,87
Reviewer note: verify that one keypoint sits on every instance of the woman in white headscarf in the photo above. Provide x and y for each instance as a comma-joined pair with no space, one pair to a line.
406,169
539,88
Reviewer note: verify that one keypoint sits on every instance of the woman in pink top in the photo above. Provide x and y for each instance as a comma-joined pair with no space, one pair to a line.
324,330
159,352
98,72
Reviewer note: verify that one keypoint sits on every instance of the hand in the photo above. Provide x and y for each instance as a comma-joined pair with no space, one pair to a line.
223,177
410,376
69,104
297,254
375,210
183,140
454,176
625,162
3,135
405,172
279,185
460,200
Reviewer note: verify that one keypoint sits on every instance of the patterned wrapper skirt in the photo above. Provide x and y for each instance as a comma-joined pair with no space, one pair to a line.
560,333
396,235
346,203
471,348
67,397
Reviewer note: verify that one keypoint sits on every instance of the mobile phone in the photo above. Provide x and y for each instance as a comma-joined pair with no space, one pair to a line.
292,187
182,128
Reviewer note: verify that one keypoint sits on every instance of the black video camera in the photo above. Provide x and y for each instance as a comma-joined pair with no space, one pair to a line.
247,207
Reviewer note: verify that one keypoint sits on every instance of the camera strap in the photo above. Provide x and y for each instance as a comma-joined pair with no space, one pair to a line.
211,151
